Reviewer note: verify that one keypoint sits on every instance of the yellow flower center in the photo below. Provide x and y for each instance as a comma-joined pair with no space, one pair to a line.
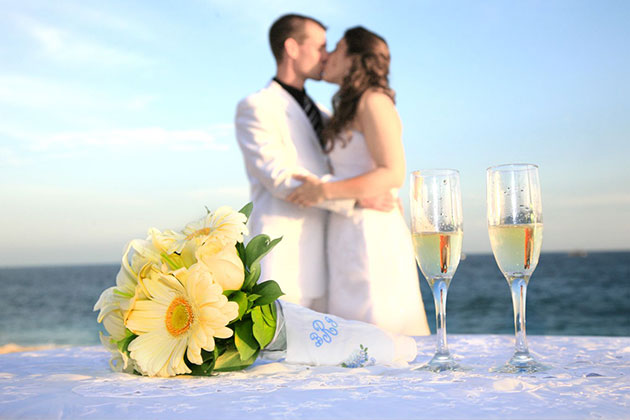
179,316
200,232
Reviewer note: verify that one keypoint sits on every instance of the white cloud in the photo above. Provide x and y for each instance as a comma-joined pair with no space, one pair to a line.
69,47
68,100
90,17
40,93
69,144
176,140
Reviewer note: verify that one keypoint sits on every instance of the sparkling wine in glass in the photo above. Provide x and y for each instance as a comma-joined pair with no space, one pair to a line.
437,231
515,227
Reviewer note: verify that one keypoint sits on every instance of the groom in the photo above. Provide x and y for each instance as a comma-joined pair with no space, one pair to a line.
278,130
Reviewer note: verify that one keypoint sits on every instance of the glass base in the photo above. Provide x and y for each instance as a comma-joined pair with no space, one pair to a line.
521,363
443,363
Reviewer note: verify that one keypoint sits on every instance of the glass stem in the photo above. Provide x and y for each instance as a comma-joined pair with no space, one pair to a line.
518,287
440,289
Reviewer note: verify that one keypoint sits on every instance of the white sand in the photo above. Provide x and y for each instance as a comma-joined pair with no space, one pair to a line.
589,378
15,348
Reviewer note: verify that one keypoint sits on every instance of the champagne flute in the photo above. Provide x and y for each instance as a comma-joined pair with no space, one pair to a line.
515,227
437,231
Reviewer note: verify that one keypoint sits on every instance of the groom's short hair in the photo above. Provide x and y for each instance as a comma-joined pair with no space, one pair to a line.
288,26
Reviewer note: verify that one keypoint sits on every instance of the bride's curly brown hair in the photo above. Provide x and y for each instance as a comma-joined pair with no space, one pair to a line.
369,70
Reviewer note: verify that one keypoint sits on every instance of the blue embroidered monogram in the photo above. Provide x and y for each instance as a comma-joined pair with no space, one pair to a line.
320,339
359,358
326,332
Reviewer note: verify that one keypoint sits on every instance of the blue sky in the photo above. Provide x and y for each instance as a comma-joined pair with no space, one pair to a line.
117,116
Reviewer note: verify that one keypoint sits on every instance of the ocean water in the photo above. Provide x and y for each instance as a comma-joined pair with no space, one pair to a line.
566,296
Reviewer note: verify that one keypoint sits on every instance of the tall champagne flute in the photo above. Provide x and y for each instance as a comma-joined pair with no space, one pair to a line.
515,227
437,231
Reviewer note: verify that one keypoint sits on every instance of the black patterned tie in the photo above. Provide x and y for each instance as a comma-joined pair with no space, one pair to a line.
312,112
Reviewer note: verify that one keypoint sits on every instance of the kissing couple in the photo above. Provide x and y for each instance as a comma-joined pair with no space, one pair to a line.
327,184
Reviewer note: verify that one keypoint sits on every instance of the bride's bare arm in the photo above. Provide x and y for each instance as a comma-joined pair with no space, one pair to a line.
378,120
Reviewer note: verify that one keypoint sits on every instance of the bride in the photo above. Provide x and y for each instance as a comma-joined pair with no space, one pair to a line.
373,275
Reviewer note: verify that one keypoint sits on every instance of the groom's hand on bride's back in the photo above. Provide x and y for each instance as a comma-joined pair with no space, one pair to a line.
384,202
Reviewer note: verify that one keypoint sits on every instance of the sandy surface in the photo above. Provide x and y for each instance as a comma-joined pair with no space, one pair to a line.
589,378
15,348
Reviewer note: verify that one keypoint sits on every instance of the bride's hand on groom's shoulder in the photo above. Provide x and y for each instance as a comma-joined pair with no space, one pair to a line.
310,193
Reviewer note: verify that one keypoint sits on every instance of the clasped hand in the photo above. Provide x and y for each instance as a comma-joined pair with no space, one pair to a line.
310,193
313,191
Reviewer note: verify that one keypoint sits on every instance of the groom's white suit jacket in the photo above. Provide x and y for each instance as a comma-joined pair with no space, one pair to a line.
277,141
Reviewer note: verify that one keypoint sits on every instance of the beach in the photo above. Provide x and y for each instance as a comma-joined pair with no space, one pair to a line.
588,378
16,348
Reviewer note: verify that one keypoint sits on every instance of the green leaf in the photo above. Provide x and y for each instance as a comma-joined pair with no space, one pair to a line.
252,297
231,360
240,248
251,277
244,339
221,344
171,263
206,367
269,314
124,343
258,247
268,290
264,328
241,299
247,209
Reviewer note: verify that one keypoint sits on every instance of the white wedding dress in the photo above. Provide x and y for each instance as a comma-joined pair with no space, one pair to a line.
372,270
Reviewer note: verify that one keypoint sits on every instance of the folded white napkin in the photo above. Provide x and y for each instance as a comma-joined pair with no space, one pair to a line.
314,338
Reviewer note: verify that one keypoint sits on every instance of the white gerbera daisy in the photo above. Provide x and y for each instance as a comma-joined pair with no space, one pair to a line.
224,226
181,312
168,241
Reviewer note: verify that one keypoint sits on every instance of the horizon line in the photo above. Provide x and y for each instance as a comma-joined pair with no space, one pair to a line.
572,252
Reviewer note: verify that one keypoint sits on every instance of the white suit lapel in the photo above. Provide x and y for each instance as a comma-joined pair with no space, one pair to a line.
294,112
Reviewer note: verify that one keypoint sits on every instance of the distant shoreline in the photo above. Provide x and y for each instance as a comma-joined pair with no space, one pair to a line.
16,348
570,252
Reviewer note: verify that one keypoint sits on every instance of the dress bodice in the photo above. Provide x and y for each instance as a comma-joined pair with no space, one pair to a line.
352,159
